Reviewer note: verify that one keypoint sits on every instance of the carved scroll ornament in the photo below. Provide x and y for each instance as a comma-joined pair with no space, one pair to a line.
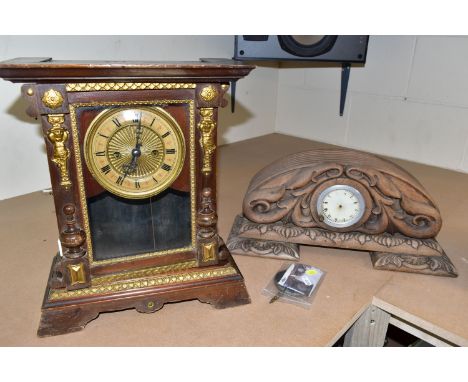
287,189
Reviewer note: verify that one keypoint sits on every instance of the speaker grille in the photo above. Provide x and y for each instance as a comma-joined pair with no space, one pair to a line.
307,46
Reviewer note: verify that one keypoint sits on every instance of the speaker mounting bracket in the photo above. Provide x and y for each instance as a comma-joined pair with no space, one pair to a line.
345,71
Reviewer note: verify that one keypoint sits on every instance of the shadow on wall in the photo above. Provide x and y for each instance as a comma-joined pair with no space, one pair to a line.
228,120
18,110
242,115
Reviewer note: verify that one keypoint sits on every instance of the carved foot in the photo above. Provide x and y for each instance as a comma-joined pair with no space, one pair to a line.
230,295
437,265
255,247
67,320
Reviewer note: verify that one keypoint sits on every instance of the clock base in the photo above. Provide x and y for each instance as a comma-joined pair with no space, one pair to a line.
388,252
263,248
145,290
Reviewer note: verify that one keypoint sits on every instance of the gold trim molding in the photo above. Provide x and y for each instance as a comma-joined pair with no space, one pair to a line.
58,136
124,285
144,273
106,86
82,191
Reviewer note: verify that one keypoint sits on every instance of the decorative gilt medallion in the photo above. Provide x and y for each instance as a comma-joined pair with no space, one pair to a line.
208,93
52,99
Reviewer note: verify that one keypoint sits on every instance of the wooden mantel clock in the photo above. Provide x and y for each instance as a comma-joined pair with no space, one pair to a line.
131,149
341,198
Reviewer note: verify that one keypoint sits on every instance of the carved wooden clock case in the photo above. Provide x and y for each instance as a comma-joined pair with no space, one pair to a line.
341,198
131,149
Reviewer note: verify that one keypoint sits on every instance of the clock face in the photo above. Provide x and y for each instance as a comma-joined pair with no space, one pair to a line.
340,206
134,152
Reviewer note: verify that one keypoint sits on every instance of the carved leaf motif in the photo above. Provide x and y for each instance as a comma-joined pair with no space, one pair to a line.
312,233
387,186
397,261
433,245
388,242
247,227
346,236
399,241
390,259
363,238
276,250
263,228
433,264
415,244
288,231
436,264
263,248
414,207
233,244
300,178
329,235
383,240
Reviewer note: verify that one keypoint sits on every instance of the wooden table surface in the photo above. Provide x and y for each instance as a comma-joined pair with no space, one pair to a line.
28,237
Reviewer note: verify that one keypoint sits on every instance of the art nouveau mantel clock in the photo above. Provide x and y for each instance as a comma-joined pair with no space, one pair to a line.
131,149
343,199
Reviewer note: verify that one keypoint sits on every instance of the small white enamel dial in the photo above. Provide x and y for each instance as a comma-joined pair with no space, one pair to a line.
340,206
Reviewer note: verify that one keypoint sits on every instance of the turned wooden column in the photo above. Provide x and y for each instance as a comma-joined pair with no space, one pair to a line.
208,98
49,103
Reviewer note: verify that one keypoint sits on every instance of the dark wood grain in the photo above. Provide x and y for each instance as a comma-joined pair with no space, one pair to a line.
49,71
76,272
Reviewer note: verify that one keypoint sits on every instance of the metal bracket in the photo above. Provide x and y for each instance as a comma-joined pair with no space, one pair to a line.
233,96
345,70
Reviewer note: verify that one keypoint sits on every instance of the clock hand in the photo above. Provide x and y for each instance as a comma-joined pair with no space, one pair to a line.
138,134
130,168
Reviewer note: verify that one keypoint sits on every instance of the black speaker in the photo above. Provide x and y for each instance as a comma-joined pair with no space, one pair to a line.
350,49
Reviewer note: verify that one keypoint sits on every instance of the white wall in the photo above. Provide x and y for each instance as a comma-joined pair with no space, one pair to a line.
23,161
409,101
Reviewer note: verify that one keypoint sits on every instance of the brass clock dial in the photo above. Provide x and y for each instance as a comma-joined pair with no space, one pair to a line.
134,152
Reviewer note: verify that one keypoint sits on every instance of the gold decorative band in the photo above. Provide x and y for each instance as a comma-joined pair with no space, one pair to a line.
89,87
144,273
123,285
